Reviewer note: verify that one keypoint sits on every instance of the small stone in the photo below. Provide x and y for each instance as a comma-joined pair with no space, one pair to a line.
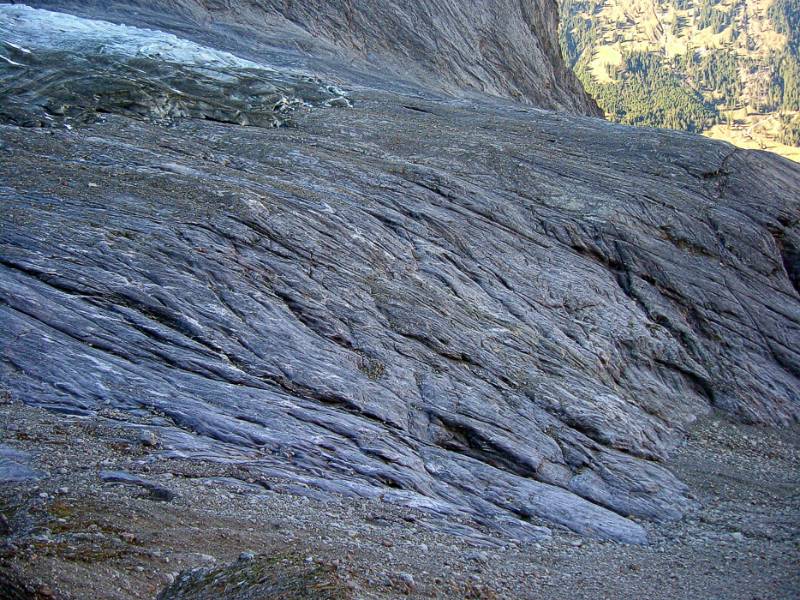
737,536
340,102
407,579
43,495
479,557
148,438
63,491
247,555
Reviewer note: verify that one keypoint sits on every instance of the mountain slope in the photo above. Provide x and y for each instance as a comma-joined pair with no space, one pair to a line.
492,312
505,48
728,68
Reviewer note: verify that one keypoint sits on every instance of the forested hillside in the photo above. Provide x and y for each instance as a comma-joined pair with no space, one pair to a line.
727,68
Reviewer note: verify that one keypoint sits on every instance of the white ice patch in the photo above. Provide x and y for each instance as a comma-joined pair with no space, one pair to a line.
56,68
30,29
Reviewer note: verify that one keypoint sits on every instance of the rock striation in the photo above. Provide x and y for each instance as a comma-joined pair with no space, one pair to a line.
489,311
505,48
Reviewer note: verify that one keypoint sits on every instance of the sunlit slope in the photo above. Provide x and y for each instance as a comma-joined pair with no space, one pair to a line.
727,68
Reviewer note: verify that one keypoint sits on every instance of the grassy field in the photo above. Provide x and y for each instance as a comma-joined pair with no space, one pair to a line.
739,136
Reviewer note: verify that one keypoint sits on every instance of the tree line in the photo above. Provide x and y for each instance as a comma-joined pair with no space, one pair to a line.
690,91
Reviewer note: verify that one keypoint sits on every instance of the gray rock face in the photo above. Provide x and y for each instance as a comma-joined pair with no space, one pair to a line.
501,47
474,307
506,48
157,492
14,466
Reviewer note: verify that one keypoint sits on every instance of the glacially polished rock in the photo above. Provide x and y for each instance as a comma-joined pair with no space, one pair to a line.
470,306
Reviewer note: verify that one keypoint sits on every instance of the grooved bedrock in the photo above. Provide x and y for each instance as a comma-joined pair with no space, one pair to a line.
459,303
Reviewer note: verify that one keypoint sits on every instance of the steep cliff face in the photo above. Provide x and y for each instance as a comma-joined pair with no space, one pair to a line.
500,47
506,48
472,306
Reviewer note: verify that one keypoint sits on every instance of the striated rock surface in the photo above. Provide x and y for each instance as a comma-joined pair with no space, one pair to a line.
506,48
470,306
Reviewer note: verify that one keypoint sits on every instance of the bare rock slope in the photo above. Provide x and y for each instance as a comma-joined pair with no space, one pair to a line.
466,305
506,48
